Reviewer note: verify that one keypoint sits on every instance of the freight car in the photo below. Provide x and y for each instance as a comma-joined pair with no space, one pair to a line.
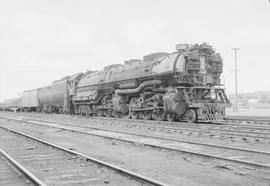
184,85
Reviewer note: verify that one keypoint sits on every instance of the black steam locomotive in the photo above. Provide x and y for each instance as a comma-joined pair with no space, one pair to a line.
184,85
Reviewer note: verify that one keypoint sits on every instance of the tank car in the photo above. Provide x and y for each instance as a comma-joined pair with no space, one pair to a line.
183,85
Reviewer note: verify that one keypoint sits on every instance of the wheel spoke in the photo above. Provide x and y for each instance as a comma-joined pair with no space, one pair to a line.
134,115
100,112
108,113
146,115
159,116
171,117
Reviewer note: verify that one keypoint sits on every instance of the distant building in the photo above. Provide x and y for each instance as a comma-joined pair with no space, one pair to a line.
253,101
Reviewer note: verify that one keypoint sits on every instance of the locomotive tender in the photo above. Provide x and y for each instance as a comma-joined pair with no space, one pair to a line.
184,85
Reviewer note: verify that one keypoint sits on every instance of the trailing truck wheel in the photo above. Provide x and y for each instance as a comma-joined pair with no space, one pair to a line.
191,116
171,117
159,116
146,115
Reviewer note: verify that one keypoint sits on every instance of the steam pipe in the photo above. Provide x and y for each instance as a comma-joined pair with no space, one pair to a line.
139,88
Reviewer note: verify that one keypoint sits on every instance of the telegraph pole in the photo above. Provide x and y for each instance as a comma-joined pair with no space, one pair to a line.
235,59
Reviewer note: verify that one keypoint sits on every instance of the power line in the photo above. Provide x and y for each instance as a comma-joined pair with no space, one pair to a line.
235,60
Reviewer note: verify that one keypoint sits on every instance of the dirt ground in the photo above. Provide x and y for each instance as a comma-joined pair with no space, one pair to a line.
172,168
208,137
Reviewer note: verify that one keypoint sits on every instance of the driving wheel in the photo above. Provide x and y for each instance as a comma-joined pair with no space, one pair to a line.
158,115
146,115
191,116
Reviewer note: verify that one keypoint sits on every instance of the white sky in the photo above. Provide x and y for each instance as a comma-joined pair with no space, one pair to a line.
41,41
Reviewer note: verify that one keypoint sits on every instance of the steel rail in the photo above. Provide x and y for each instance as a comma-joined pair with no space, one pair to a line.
246,136
136,134
196,129
183,126
237,133
89,158
226,119
187,127
247,126
248,118
23,170
171,149
167,123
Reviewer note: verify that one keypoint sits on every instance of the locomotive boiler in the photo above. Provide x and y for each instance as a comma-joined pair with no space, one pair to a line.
183,85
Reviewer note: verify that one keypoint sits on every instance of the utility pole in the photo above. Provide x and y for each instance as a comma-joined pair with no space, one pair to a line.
235,59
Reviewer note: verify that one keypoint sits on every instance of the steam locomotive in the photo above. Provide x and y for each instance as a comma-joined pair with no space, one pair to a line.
183,85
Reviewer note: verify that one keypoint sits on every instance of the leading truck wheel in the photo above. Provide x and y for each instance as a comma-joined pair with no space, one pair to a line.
191,116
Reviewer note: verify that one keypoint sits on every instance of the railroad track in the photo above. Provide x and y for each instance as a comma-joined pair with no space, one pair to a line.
13,173
245,123
56,165
248,157
231,120
223,131
227,120
235,122
243,131
248,119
